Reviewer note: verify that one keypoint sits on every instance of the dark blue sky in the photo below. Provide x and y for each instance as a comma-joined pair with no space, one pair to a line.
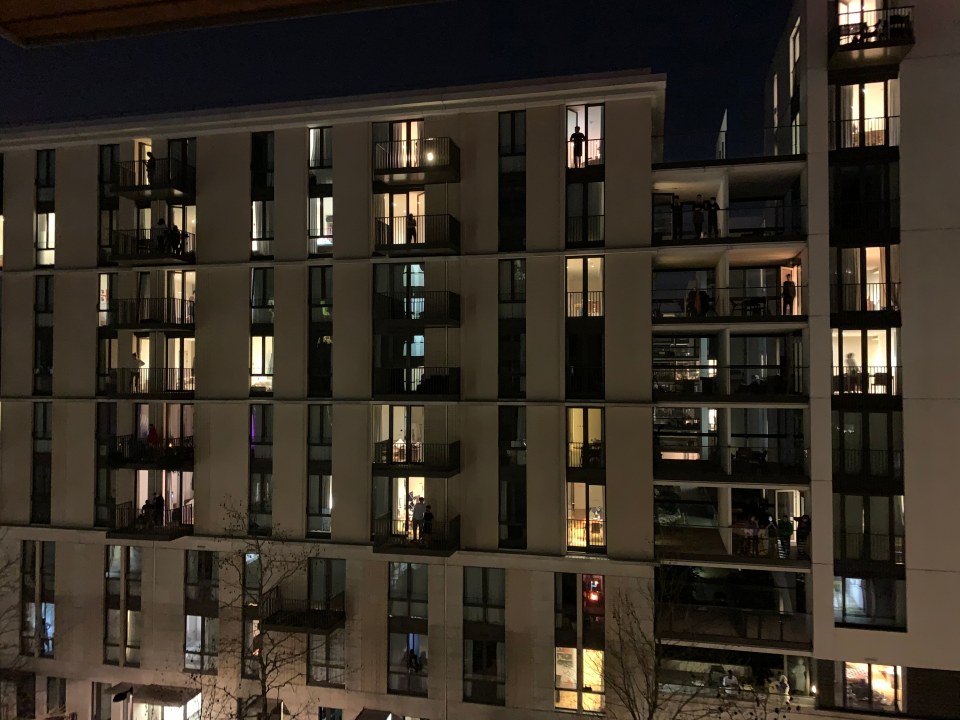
714,52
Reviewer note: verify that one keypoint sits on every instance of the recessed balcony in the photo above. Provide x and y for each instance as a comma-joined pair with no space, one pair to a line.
167,314
734,383
296,615
435,459
168,179
697,457
439,537
153,246
425,383
437,234
421,308
149,523
871,37
728,304
131,451
856,381
742,221
417,161
735,625
855,465
147,382
678,537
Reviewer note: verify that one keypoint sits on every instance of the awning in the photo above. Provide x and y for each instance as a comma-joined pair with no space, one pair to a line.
163,695
368,714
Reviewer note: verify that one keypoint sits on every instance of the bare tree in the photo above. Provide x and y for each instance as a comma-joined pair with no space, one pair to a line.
10,658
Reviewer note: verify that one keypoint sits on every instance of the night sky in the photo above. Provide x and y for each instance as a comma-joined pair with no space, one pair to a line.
715,54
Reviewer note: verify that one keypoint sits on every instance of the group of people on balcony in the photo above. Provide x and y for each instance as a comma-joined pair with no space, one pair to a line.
169,239
710,208
152,512
699,303
421,515
762,535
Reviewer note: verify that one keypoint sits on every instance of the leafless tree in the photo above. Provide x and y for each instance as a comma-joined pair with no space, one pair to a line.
10,658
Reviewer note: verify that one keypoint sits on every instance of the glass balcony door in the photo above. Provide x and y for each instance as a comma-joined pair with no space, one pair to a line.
406,134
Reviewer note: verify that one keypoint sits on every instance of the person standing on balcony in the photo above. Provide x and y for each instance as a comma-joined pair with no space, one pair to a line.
577,139
676,209
138,365
427,529
713,218
151,167
789,293
411,229
698,208
785,530
803,536
419,509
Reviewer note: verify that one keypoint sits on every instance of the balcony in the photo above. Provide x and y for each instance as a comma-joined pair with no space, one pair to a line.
697,457
587,304
585,231
130,451
417,161
584,382
846,298
865,132
441,538
154,246
416,458
783,143
586,153
869,548
867,466
742,221
871,37
731,304
132,523
587,535
422,308
166,179
678,538
585,460
320,384
417,235
512,380
426,383
735,626
858,381
147,382
736,383
283,614
150,314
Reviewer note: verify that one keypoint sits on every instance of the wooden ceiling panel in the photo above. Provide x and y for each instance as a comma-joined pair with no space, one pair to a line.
45,22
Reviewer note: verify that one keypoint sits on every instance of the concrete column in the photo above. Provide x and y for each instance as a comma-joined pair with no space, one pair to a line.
223,198
75,592
73,458
478,482
724,291
353,200
546,327
16,368
628,181
628,438
74,334
162,608
479,173
530,639
76,196
353,330
16,461
19,219
290,331
291,148
222,363
438,596
546,486
479,329
351,473
221,466
373,666
546,184
290,465
628,375
725,518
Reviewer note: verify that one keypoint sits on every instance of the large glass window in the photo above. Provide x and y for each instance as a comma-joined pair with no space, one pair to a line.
579,630
870,601
585,135
866,114
512,207
875,688
585,287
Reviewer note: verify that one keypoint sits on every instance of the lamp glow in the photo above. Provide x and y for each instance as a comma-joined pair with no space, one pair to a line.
430,156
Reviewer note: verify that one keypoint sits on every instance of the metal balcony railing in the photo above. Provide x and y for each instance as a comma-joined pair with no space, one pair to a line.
585,231
585,534
744,220
867,380
442,536
415,234
146,381
742,381
423,154
149,245
434,457
865,297
677,539
419,381
679,456
149,519
300,615
866,28
139,313
743,302
868,463
768,628
584,153
585,455
427,307
164,176
585,382
585,304
865,132
512,380
134,451
869,547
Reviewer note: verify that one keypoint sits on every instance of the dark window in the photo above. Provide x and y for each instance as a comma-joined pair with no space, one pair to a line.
261,161
123,621
56,696
513,476
260,507
319,478
513,181
326,658
261,296
42,448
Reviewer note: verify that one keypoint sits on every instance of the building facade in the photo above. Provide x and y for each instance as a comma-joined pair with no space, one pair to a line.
550,362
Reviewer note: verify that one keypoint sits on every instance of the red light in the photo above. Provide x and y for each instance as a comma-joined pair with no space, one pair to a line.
594,597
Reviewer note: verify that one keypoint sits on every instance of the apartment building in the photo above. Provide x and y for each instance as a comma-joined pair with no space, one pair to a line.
549,358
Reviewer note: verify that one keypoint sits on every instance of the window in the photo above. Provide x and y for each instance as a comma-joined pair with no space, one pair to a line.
865,114
585,437
869,445
109,203
261,229
866,361
45,215
874,688
261,296
585,287
407,622
201,611
871,601
585,136
260,508
319,477
123,621
43,336
484,662
261,161
330,714
321,225
512,331
586,516
579,629
321,148
865,279
56,696
868,528
261,364
513,476
37,610
326,658
42,448
585,214
512,208
320,353
408,590
252,592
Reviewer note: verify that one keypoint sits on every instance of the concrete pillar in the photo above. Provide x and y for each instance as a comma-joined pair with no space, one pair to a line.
162,608
479,174
351,473
530,641
353,331
546,486
290,341
546,327
223,198
19,219
16,368
546,184
628,210
291,149
353,200
725,518
73,457
478,481
628,372
479,330
374,607
222,362
74,334
290,465
76,201
16,461
221,446
628,439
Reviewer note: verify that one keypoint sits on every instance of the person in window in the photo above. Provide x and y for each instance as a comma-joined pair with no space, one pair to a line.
731,685
159,508
411,229
153,437
174,240
713,218
412,661
698,207
785,531
138,365
676,209
577,138
160,235
789,293
803,536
